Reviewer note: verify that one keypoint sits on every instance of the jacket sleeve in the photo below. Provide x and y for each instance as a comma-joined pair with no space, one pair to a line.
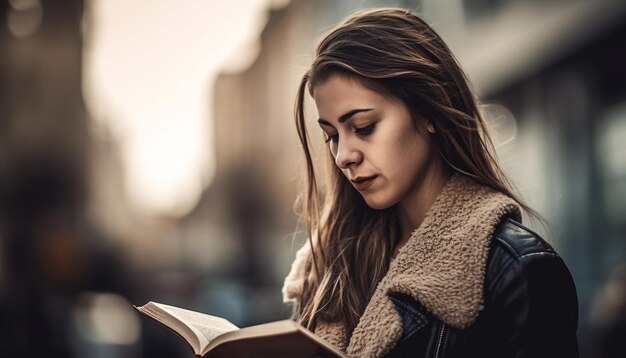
535,302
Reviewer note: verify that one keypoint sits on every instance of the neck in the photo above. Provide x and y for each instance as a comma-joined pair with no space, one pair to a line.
413,208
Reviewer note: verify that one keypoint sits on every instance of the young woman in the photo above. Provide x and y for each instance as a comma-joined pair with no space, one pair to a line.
416,248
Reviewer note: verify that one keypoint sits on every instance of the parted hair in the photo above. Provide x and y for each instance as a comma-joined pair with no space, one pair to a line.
395,52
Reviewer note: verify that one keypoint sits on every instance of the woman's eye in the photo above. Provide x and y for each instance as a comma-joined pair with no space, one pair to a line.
366,130
334,138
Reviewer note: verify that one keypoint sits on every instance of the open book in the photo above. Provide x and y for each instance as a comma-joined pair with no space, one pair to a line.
212,336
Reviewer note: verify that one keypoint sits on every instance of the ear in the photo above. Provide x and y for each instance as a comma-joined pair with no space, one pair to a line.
430,128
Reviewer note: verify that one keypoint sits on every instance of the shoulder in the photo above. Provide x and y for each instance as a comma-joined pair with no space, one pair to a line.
522,263
530,299
516,250
519,257
517,242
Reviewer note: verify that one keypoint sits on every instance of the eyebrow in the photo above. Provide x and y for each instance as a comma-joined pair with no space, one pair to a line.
344,117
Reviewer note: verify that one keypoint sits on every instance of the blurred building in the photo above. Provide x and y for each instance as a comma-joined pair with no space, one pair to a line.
42,170
52,255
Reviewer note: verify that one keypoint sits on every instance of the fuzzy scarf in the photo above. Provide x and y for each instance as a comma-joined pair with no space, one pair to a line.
442,266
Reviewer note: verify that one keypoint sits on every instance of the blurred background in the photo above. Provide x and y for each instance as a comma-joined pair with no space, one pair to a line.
148,152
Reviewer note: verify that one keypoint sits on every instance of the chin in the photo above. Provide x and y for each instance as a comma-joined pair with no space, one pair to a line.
378,203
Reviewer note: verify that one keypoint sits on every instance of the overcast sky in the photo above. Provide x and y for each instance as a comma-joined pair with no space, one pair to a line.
149,68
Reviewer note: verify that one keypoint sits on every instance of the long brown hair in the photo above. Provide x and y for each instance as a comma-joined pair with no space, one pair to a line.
396,53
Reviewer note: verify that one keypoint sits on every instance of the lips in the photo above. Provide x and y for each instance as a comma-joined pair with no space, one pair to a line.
362,183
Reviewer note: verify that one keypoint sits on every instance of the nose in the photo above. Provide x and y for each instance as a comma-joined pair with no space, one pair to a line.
347,155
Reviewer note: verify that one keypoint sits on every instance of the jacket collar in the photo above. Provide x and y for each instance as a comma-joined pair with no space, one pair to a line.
442,266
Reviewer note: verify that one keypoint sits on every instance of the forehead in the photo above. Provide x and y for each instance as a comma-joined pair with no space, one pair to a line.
340,94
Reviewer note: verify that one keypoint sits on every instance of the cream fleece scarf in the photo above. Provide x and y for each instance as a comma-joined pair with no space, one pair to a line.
442,266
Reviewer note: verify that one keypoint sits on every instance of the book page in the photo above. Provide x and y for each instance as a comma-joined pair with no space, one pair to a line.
206,325
208,332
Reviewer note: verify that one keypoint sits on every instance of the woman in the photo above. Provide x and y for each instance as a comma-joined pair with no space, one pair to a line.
417,248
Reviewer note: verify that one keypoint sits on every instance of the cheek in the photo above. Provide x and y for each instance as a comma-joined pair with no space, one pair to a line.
404,161
403,152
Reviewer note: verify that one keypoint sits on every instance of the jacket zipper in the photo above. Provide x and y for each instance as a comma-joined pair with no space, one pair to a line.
440,340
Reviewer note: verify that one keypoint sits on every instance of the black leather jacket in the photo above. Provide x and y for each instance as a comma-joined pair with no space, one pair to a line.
531,307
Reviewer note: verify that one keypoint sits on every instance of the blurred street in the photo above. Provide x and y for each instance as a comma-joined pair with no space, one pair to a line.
148,152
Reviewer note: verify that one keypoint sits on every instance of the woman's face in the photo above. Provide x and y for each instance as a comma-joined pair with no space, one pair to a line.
374,141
